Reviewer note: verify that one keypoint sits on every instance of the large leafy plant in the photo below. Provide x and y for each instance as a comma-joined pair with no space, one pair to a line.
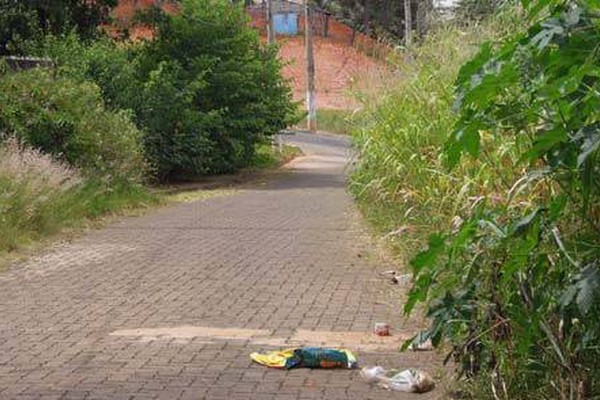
515,287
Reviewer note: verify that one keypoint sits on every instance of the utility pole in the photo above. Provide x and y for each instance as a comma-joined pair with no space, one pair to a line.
270,24
407,22
310,70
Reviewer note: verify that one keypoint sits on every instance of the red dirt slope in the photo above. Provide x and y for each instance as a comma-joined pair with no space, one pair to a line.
336,65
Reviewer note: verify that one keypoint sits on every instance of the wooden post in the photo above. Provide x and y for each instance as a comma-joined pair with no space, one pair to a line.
326,25
270,23
310,70
407,22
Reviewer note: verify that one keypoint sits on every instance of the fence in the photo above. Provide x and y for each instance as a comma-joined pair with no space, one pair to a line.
24,63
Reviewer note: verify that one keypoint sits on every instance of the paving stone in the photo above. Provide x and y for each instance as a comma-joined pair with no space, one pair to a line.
278,257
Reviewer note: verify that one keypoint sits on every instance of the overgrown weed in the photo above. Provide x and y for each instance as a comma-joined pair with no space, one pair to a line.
40,196
401,181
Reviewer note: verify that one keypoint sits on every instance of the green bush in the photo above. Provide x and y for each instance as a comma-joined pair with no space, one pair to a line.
26,22
516,287
210,91
68,119
109,64
205,91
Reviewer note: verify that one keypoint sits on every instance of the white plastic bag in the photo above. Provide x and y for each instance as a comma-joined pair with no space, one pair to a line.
372,374
409,380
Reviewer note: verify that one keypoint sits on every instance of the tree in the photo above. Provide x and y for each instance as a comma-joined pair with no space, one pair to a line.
209,91
380,18
23,21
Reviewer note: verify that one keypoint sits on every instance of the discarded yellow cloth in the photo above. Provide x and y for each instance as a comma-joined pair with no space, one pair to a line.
273,359
307,357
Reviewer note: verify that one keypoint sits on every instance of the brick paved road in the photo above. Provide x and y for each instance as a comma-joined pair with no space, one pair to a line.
168,306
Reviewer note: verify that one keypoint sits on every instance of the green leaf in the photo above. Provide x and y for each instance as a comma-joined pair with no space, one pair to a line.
545,142
428,257
453,152
585,289
589,146
469,138
474,65
557,206
418,292
525,223
520,252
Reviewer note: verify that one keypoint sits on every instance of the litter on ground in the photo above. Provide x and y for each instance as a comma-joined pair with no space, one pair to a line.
381,329
307,357
409,380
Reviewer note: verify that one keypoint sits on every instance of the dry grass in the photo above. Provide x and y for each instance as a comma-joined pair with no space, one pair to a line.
27,166
41,196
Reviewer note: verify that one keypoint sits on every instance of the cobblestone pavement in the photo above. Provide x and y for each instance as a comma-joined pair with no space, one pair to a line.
170,305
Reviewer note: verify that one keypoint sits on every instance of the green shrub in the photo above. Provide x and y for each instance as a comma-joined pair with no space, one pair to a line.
204,91
209,91
106,62
516,287
26,22
67,118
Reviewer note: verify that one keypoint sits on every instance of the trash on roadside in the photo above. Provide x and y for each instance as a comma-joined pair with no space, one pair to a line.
396,278
422,346
420,342
409,380
306,357
372,374
381,329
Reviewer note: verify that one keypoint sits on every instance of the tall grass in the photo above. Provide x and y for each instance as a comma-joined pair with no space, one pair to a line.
33,186
40,195
401,181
